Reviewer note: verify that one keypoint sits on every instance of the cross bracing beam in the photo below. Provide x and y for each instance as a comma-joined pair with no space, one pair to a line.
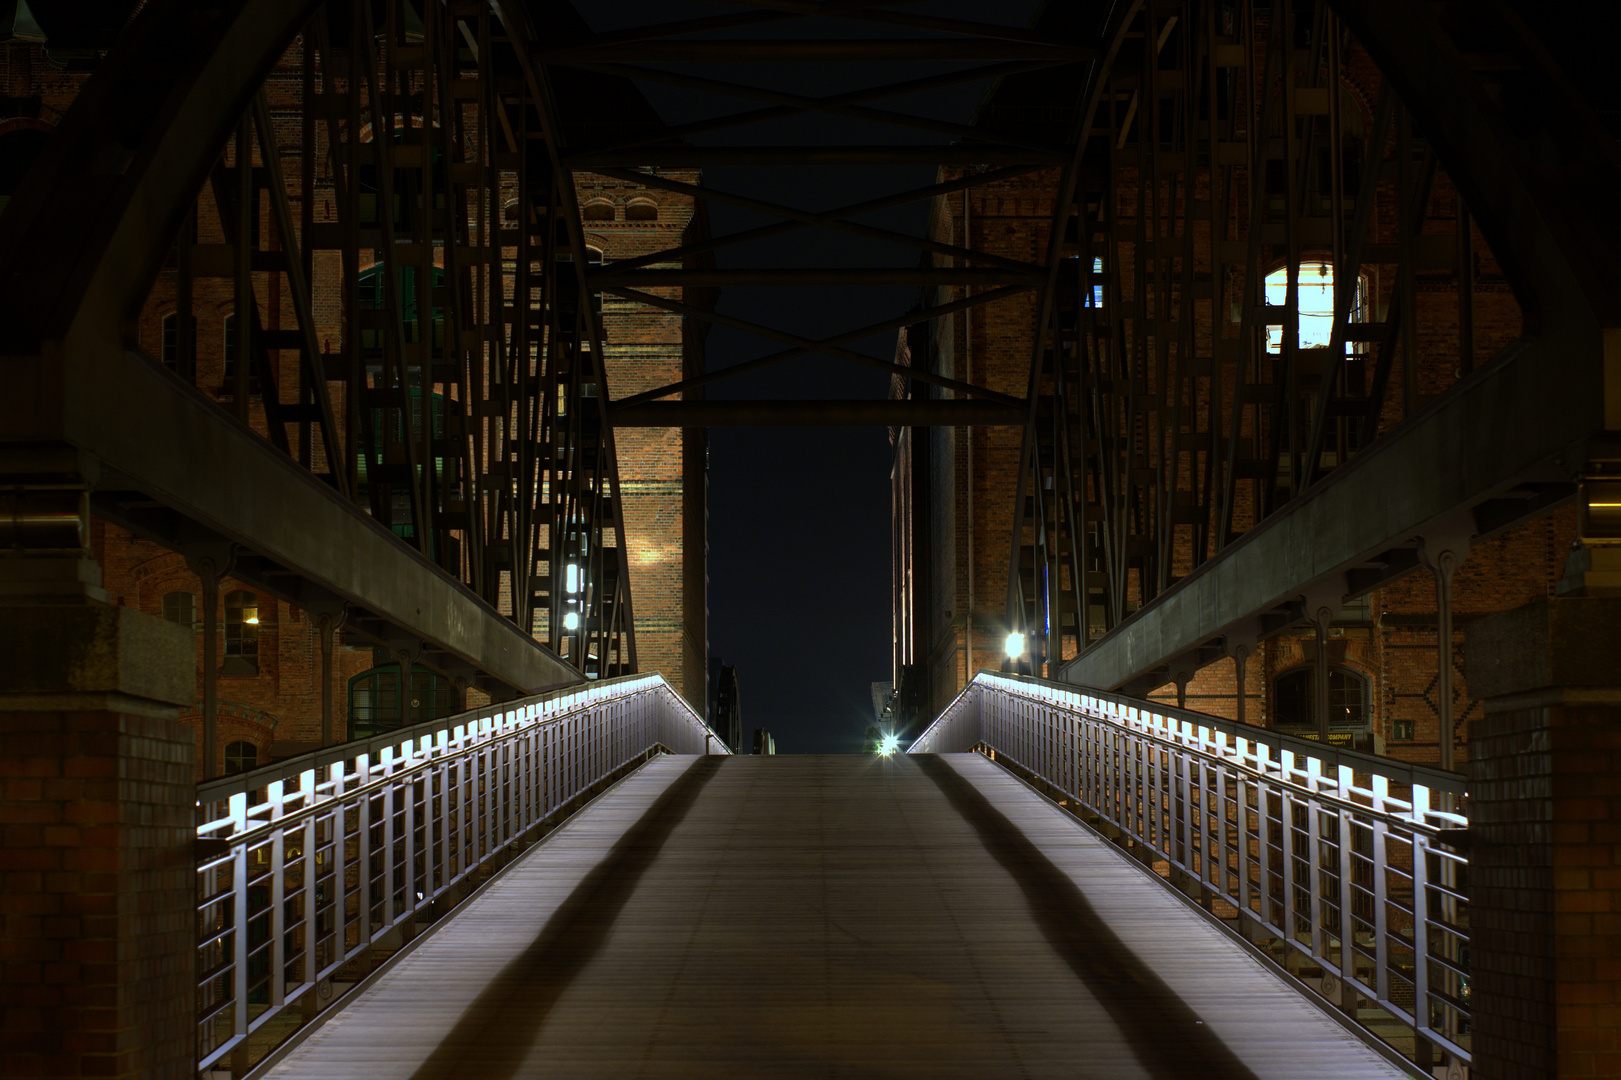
916,412
774,50
812,276
700,157
801,219
960,276
786,104
836,220
833,346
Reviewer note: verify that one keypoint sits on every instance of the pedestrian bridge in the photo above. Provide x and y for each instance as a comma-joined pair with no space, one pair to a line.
929,915
828,916
576,886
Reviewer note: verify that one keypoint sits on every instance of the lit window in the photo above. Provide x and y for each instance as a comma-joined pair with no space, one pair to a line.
241,633
1316,291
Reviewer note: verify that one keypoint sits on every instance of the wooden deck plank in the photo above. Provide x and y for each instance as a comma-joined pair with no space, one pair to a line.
828,917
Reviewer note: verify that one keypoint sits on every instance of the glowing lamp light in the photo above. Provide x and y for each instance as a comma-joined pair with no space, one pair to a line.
252,620
571,578
1015,645
889,745
571,620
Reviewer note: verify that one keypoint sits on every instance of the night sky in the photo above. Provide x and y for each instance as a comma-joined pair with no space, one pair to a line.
799,539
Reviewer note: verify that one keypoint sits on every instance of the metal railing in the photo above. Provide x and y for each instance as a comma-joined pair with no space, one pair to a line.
1333,863
305,865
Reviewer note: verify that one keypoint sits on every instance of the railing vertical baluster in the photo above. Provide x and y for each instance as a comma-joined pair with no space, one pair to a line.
389,794
239,919
275,948
1381,918
312,971
1347,884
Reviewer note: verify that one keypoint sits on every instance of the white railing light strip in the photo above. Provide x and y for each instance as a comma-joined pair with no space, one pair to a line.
318,856
1308,843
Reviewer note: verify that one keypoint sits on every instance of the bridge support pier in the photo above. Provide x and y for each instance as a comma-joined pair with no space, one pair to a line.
98,931
1545,863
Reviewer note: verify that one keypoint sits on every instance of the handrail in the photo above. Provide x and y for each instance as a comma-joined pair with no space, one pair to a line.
303,866
1251,821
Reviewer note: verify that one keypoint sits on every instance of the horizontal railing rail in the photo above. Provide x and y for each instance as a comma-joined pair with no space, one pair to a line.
303,866
1336,864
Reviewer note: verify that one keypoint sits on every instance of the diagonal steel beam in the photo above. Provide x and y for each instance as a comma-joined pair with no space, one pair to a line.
831,346
786,104
813,277
924,412
703,157
830,219
822,50
848,9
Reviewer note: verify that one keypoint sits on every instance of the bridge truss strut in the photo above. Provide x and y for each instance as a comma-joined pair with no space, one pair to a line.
1201,469
415,346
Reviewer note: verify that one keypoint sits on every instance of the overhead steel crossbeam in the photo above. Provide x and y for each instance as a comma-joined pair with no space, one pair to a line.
416,344
1219,471
663,54
785,104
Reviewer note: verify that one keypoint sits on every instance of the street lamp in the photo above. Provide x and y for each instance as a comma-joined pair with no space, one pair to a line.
1015,645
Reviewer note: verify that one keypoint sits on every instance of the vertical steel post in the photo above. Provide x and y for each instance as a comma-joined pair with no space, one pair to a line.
1323,617
1444,564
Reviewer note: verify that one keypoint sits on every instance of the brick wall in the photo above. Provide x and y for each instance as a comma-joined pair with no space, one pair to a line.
97,933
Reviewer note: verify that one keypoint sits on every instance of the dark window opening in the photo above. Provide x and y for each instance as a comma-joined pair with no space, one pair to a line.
241,757
374,699
1294,702
169,349
180,607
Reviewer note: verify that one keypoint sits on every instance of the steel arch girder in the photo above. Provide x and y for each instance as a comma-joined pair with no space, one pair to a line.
1525,423
80,245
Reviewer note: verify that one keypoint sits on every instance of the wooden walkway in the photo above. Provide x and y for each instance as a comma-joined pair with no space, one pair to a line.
828,917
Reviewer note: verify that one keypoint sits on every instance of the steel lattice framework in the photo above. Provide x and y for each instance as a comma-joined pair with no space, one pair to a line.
1179,428
462,405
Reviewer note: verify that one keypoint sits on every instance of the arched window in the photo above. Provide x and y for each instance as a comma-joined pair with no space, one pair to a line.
180,607
1294,700
642,210
1316,301
241,633
374,699
241,757
597,211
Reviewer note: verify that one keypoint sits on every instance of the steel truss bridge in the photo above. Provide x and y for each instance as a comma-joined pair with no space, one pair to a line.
1182,490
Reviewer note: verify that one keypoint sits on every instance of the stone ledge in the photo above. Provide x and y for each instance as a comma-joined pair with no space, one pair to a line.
48,652
1565,642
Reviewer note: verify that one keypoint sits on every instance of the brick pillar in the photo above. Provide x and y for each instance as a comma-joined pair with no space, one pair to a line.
97,816
1545,866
